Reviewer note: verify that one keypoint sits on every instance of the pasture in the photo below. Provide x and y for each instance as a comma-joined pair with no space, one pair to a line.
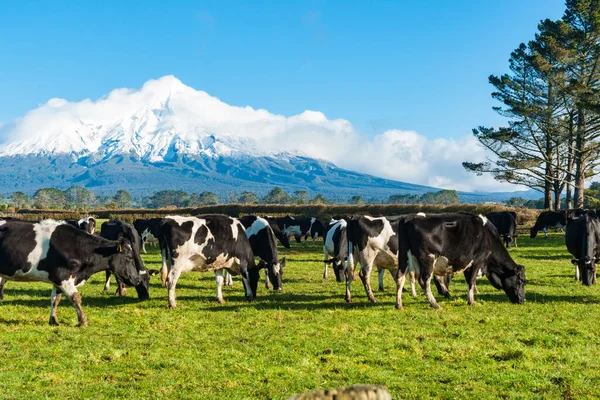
307,338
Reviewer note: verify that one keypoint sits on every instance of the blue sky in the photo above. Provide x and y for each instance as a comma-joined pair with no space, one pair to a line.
418,65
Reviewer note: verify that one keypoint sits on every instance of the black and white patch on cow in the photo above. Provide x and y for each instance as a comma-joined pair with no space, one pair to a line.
147,229
372,241
57,253
583,242
262,240
203,243
276,225
335,248
446,244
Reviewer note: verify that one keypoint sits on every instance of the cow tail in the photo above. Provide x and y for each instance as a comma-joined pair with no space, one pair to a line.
403,246
350,233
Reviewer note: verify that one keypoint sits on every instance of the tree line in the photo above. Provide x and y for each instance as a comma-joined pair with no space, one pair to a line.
80,198
551,97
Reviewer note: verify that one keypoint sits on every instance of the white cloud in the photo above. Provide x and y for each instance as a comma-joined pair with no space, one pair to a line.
146,119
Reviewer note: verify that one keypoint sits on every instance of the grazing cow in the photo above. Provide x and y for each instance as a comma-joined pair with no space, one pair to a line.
277,228
583,242
549,219
114,230
506,225
335,245
57,253
301,227
147,229
210,242
87,224
372,241
445,244
262,240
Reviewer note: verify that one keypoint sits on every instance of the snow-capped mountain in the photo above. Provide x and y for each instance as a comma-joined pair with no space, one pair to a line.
167,135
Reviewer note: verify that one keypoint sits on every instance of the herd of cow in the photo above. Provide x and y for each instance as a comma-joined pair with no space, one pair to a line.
418,246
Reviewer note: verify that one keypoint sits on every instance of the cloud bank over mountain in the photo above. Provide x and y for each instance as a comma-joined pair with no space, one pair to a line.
165,114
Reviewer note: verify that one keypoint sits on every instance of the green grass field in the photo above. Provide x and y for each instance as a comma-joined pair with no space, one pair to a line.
307,338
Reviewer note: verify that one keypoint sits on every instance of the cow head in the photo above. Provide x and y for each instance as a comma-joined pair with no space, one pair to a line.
125,268
338,268
533,232
511,281
275,273
587,269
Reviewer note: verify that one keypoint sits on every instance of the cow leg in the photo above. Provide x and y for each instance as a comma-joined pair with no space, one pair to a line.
228,278
545,233
219,279
380,273
165,268
69,289
426,275
144,247
471,279
325,254
400,279
266,271
413,283
107,282
121,289
366,265
172,279
54,301
442,286
2,282
350,266
577,277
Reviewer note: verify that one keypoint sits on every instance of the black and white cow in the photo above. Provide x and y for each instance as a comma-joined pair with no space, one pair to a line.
277,228
57,253
583,242
87,224
114,230
301,228
335,248
210,242
147,229
506,225
549,219
262,240
372,241
445,244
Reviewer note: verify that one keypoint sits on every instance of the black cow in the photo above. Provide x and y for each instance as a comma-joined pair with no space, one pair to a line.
372,241
445,244
87,224
506,225
301,228
550,219
335,245
262,240
583,242
210,242
114,230
277,228
147,229
57,253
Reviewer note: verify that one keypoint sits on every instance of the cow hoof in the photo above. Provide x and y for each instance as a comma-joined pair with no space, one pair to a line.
436,306
221,301
82,324
472,303
381,289
446,295
280,290
53,322
372,299
249,299
348,300
399,307
172,305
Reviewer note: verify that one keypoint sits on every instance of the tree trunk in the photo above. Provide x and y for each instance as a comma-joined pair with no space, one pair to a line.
579,161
